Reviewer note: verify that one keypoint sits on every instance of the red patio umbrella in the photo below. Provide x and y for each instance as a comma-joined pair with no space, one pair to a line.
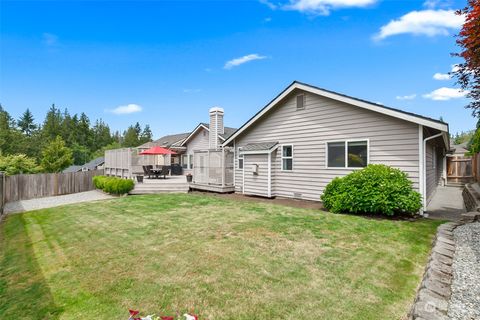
157,150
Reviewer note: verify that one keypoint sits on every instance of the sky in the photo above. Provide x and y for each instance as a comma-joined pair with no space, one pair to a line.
165,63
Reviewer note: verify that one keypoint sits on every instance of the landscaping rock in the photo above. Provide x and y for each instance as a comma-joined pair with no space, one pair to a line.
465,298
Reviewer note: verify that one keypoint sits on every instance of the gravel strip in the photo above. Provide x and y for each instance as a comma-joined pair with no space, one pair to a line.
465,300
49,202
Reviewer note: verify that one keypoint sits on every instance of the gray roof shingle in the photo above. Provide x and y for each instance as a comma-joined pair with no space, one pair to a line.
261,146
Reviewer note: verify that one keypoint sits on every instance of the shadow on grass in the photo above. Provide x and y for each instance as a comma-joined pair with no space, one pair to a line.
23,289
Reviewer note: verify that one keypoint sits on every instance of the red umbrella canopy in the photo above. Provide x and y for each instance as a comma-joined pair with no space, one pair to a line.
157,150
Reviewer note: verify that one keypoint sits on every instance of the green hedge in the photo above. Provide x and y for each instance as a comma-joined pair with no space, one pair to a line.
376,189
113,185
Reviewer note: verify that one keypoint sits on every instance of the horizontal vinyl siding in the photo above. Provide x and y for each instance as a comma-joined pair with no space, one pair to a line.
433,174
197,142
392,141
256,184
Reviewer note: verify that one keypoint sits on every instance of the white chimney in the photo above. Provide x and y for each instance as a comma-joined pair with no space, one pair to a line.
216,126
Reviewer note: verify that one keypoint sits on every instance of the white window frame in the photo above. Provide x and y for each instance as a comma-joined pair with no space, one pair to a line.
346,141
282,157
240,157
190,163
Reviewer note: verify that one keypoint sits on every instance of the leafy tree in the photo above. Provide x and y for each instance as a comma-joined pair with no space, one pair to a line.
81,154
468,72
26,123
464,136
56,156
17,164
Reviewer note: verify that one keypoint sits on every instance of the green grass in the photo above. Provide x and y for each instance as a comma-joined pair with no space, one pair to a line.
219,258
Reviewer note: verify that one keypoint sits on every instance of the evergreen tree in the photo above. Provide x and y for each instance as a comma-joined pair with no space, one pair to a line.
130,138
10,137
52,126
101,134
83,133
56,156
26,123
146,135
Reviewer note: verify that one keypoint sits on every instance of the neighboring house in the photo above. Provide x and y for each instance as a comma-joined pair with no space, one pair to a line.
89,166
458,149
306,136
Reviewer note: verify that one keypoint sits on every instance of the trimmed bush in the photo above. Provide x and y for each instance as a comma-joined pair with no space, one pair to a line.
376,189
113,185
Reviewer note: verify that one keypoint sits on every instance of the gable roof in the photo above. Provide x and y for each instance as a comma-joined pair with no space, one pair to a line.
407,116
166,141
228,131
91,165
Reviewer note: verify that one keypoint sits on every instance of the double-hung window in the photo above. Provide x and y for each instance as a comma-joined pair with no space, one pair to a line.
347,154
184,161
190,160
287,158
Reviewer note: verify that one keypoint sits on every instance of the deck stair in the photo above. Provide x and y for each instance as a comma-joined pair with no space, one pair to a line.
173,184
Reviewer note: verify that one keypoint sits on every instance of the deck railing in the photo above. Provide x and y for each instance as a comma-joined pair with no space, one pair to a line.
213,167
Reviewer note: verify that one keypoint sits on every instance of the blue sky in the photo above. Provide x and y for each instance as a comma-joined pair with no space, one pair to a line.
166,63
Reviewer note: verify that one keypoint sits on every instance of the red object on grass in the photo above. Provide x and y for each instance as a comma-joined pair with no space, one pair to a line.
167,318
157,150
133,312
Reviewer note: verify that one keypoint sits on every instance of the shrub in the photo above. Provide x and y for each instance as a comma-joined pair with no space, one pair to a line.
18,164
376,189
113,185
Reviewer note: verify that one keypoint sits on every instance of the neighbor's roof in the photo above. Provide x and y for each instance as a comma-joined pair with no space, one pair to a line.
93,164
261,146
166,141
461,148
72,168
407,116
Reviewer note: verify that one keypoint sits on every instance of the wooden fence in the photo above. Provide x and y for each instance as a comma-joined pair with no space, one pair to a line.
30,186
2,193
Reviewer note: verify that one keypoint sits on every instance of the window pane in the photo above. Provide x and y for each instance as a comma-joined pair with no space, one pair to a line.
191,161
357,154
287,164
300,101
184,161
287,151
336,154
240,163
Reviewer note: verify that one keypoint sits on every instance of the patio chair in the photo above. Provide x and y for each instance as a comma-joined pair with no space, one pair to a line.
165,171
146,171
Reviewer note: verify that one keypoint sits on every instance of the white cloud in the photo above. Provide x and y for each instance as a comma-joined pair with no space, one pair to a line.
323,7
49,39
444,93
269,4
441,76
445,76
238,61
407,97
426,22
432,4
129,108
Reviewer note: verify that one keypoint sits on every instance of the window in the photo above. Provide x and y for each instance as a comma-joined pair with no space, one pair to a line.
347,154
287,158
184,161
240,160
190,157
300,102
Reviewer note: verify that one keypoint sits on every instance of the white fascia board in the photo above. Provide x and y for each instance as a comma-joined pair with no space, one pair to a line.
193,133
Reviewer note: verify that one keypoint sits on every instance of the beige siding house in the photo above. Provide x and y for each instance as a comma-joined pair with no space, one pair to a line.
306,136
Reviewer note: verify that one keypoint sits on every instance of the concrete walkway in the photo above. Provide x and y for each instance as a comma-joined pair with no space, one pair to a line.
446,204
49,202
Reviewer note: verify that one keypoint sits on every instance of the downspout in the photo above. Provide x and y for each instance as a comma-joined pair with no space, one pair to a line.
424,191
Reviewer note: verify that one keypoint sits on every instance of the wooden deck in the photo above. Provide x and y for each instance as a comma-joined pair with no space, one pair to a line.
172,184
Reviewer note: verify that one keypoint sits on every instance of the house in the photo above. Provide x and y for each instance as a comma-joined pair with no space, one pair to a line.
94,164
306,136
205,136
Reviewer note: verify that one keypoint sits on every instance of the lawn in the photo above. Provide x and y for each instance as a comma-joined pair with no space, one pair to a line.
220,258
